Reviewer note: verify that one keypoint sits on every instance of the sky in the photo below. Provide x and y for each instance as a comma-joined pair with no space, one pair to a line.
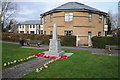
31,10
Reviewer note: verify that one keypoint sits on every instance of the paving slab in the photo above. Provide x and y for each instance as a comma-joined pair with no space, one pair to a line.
20,70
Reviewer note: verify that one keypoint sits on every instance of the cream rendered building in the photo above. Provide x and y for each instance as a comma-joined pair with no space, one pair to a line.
30,27
76,19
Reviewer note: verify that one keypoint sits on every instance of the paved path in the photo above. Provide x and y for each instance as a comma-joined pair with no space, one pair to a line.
94,50
41,46
20,70
8,42
97,51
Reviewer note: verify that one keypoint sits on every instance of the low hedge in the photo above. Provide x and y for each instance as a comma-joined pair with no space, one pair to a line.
15,37
100,42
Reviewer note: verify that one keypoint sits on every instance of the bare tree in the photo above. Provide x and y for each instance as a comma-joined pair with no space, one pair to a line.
8,12
113,19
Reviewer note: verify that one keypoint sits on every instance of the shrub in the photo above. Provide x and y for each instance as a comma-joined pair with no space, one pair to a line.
15,37
68,40
100,42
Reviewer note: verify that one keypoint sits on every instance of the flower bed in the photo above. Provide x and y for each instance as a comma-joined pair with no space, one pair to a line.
54,58
51,57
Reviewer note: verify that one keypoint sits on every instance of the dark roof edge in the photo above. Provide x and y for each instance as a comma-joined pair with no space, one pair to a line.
71,10
28,24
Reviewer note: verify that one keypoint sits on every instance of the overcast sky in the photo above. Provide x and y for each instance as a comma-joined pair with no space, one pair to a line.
32,10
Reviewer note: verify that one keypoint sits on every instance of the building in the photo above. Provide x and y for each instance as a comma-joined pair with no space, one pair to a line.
30,27
76,19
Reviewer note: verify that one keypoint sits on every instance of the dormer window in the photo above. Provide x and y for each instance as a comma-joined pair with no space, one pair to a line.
68,17
100,18
89,16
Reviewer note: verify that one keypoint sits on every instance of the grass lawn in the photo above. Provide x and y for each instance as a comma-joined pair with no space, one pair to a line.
11,52
80,65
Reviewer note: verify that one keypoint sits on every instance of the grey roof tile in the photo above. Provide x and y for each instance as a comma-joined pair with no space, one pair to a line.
31,22
74,6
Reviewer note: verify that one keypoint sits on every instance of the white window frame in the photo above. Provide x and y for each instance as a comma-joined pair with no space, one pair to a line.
100,18
30,26
90,16
21,26
68,17
45,19
89,33
18,26
33,26
51,17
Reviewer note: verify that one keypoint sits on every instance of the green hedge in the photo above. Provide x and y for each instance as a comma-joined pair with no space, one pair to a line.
100,42
15,37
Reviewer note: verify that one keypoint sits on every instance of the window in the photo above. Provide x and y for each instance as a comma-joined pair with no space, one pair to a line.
99,33
39,26
68,32
100,18
44,19
68,17
51,32
89,33
21,31
23,26
32,32
105,20
51,17
44,32
20,26
89,16
33,26
30,26
41,32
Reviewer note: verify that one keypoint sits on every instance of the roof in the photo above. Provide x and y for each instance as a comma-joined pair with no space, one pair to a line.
115,30
74,6
31,22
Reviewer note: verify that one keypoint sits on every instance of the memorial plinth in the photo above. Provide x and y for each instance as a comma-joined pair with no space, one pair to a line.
54,46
